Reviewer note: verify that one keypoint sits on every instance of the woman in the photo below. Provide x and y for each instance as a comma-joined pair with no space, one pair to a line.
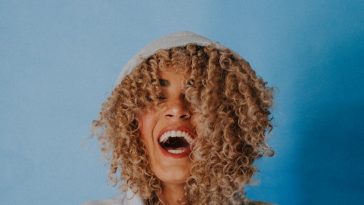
184,124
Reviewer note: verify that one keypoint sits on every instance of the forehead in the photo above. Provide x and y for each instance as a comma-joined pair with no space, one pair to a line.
171,77
173,73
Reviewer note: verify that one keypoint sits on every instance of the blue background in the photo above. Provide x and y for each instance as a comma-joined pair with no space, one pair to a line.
59,61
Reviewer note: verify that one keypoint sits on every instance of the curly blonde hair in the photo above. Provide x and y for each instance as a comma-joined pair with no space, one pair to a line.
232,104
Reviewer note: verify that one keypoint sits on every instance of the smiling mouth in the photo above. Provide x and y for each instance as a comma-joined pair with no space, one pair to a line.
176,143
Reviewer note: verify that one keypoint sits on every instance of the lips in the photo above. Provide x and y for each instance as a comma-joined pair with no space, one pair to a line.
176,142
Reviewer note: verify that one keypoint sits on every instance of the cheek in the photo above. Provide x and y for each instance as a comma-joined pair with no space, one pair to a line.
196,120
147,123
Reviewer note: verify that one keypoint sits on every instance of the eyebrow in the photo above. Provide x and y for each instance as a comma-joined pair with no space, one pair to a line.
164,82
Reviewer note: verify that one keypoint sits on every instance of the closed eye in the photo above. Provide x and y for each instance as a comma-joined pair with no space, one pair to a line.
162,97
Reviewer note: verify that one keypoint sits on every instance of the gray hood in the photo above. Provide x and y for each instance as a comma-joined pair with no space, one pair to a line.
166,42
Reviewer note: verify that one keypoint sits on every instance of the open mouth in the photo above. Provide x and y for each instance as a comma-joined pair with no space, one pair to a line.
176,142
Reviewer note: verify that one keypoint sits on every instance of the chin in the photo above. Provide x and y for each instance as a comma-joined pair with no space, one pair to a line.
172,174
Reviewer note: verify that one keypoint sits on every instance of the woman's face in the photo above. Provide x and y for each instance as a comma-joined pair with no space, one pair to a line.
167,130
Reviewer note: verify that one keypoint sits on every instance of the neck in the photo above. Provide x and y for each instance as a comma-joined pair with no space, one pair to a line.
172,194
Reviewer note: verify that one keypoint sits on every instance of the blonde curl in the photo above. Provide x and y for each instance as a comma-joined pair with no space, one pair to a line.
232,104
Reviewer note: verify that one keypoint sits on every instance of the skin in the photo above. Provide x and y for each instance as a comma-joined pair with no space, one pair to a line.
172,113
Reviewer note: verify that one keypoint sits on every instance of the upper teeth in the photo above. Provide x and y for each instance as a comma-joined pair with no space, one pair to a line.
176,133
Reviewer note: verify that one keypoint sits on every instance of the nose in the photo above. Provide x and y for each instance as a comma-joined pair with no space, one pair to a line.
177,110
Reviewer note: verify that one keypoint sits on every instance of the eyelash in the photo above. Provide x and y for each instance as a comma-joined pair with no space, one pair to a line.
161,97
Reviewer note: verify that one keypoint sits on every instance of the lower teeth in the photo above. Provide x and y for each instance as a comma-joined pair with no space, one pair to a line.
176,151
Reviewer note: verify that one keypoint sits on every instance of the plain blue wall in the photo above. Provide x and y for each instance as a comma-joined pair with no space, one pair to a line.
60,59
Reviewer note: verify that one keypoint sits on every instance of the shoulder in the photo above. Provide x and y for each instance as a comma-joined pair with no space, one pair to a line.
125,198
